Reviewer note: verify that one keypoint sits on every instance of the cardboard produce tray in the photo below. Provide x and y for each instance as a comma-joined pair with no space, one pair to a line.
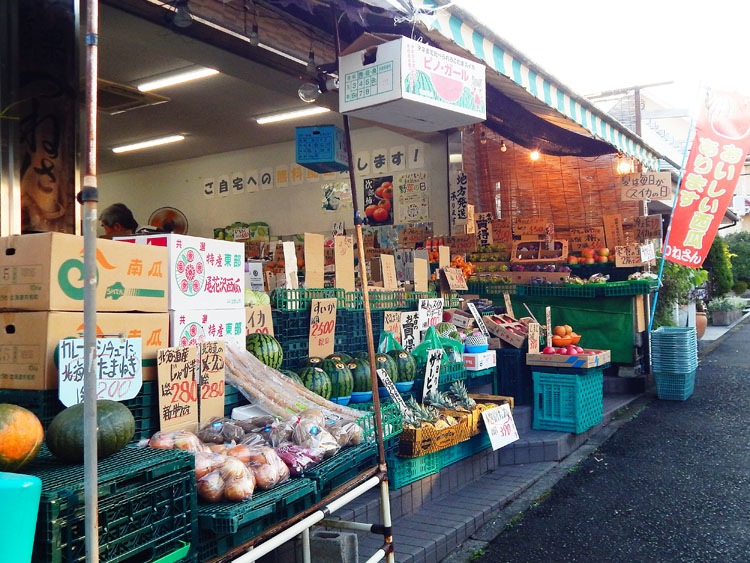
415,442
589,359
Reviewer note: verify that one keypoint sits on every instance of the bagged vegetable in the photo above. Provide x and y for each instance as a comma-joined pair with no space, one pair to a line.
179,440
270,473
281,432
298,459
388,343
205,463
256,423
211,487
310,435
253,439
313,415
346,434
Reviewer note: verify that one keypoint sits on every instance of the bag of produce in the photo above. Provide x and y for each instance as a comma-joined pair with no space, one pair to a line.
205,463
179,440
388,343
233,482
281,432
268,468
298,459
253,439
309,434
256,423
346,434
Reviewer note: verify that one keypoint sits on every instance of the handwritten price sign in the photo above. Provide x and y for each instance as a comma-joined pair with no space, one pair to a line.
258,319
212,384
322,327
177,376
118,369
500,426
430,312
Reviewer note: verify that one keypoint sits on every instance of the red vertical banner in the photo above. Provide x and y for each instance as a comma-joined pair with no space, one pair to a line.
717,156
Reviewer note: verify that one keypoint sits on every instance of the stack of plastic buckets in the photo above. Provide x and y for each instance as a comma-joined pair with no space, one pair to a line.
674,360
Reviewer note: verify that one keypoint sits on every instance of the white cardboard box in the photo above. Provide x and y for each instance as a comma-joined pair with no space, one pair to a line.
203,273
412,85
190,327
480,361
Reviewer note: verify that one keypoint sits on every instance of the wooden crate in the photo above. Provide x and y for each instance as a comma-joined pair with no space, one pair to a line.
414,442
536,253
589,359
507,329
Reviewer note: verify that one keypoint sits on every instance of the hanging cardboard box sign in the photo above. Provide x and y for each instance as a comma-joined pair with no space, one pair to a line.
322,327
388,266
484,229
178,388
647,228
258,318
444,257
404,265
290,266
646,185
613,231
502,233
211,382
190,328
471,226
409,237
452,279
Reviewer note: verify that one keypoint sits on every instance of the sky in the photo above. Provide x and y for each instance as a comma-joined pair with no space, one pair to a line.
592,46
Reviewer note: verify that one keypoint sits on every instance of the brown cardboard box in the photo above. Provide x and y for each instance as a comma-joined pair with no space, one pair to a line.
44,272
28,341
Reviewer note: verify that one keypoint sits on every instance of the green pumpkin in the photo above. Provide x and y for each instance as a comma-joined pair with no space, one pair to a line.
115,428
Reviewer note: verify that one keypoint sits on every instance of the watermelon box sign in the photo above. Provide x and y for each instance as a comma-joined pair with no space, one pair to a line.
410,84
118,369
203,273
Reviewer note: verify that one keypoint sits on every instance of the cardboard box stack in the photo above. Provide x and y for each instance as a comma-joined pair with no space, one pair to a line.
41,302
206,280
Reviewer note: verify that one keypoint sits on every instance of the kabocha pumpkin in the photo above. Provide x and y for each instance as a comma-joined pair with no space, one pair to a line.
115,428
21,436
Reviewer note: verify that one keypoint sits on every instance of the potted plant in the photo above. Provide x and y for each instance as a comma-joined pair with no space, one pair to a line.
725,310
701,319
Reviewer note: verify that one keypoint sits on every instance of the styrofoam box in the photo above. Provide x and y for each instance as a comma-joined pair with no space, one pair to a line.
189,327
203,273
480,361
412,85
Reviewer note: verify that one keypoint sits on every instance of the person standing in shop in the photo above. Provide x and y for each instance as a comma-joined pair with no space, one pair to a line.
118,221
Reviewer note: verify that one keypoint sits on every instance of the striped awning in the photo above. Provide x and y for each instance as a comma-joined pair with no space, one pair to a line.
452,24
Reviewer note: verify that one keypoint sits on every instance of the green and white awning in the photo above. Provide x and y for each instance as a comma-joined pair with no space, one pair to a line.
500,58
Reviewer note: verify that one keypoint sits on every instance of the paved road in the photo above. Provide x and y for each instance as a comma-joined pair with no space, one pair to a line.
672,485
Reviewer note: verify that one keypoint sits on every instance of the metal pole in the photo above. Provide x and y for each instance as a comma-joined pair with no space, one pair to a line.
385,513
88,198
306,545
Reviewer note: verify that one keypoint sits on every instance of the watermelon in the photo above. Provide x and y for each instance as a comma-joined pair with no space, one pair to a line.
339,356
291,375
407,365
313,361
444,329
340,376
363,354
360,369
391,368
266,348
316,380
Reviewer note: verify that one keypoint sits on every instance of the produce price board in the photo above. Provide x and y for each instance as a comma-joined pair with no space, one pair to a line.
586,237
118,369
258,319
500,426
432,372
178,387
410,334
392,324
322,327
430,312
211,383
478,319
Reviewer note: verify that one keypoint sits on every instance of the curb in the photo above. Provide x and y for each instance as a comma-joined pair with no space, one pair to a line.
712,345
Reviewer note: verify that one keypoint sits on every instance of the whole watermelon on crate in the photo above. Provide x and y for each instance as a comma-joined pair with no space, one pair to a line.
313,361
339,356
360,369
316,380
444,329
384,361
362,354
291,375
407,365
266,348
341,378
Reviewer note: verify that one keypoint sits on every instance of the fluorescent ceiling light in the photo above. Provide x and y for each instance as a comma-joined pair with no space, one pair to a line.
291,115
455,158
148,144
176,78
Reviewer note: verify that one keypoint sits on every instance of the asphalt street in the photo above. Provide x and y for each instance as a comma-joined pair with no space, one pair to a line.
671,485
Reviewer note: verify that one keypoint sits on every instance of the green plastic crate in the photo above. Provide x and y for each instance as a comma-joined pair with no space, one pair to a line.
550,290
451,300
342,467
626,288
301,299
674,386
380,300
567,402
412,298
483,288
402,471
480,373
391,415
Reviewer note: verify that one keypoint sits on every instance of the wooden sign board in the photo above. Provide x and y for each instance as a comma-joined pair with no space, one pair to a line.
392,324
432,372
409,237
628,256
586,237
344,262
534,338
322,327
646,185
613,231
530,226
478,320
484,229
410,335
388,269
290,265
453,279
508,304
646,228
314,261
461,244
177,378
421,275
258,319
392,391
502,232
211,387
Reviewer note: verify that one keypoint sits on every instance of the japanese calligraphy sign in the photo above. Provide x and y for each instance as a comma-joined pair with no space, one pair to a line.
613,231
379,200
392,391
410,335
500,426
484,229
471,226
314,263
646,185
628,256
478,320
461,244
430,312
408,237
392,324
534,337
586,237
177,378
412,198
421,274
432,371
259,319
501,231
458,198
118,369
404,264
717,156
344,262
645,228
388,267
548,319
322,327
529,226
211,381
453,279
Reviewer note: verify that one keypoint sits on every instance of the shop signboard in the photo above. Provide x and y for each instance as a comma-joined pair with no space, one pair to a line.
458,198
645,186
118,369
613,231
432,372
410,334
191,327
717,156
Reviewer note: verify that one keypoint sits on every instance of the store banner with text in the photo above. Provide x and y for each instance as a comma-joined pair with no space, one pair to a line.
717,156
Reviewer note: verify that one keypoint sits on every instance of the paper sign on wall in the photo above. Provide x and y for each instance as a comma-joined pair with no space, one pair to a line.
530,226
258,318
118,369
478,320
444,257
628,256
430,312
645,228
452,279
534,338
290,266
500,426
410,335
392,324
421,274
648,252
471,226
211,388
613,231
254,276
344,262
392,391
501,231
586,237
404,264
322,327
412,198
177,376
314,260
508,304
388,268
645,185
432,372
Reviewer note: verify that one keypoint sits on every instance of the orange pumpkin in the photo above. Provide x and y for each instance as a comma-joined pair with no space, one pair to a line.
21,436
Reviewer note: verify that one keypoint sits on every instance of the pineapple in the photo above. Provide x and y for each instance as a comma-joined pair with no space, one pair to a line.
463,401
440,400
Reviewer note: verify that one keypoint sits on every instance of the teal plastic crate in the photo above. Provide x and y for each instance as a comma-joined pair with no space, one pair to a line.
550,290
569,402
626,288
379,300
342,467
301,299
403,471
390,414
321,148
673,386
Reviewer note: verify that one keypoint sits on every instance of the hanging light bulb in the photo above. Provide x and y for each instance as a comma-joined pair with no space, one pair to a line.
534,155
483,138
309,92
182,15
503,146
312,68
254,37
624,166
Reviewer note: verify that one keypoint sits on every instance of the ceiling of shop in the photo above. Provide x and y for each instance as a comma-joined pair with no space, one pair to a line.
215,114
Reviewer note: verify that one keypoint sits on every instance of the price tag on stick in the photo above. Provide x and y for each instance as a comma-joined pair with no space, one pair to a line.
478,320
211,388
500,426
548,318
534,338
432,372
177,376
392,391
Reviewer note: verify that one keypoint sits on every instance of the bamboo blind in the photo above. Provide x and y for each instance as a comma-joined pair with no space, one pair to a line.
570,191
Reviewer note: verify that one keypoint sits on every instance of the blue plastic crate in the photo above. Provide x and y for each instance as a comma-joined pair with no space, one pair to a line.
321,148
674,386
567,402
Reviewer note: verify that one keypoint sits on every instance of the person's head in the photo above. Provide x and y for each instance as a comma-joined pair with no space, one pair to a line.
117,220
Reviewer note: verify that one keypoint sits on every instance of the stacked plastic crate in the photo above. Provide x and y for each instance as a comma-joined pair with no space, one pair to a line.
674,361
